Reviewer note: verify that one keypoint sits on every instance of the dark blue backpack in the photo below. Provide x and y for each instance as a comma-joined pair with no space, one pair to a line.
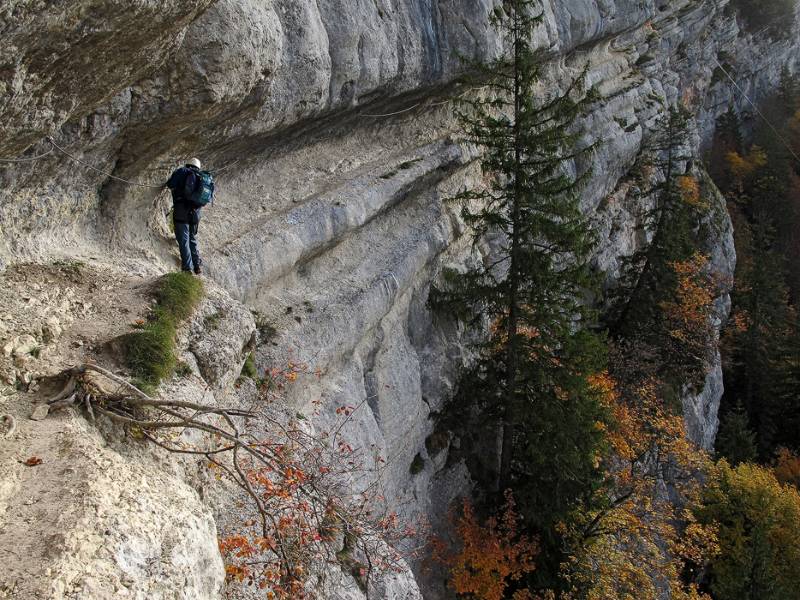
198,188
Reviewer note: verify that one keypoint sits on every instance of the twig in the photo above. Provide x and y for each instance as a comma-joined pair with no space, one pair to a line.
297,500
88,402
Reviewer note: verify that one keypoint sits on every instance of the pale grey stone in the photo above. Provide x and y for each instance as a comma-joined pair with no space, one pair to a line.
331,220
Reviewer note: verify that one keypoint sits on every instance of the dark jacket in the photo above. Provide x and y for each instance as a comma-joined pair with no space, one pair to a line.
182,209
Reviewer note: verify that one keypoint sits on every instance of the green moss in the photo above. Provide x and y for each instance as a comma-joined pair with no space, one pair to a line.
150,352
249,367
417,464
182,369
211,322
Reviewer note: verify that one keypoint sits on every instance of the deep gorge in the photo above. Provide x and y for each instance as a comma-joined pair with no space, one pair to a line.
334,126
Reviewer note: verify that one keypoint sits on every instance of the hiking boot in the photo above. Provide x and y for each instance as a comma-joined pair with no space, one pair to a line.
198,271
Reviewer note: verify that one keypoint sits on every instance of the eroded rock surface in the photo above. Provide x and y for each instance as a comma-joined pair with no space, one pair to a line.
339,149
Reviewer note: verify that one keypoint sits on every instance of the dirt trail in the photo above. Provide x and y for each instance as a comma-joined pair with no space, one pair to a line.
52,317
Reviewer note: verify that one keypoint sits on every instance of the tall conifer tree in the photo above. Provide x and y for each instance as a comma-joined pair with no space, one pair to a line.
533,366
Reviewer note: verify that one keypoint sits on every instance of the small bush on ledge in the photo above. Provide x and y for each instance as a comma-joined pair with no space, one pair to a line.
417,465
150,352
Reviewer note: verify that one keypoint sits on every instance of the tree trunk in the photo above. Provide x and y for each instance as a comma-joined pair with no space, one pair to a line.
509,417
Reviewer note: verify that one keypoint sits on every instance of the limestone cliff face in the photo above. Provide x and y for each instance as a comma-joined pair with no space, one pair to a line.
332,124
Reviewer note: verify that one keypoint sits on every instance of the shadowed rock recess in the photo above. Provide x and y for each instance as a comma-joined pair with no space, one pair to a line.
332,122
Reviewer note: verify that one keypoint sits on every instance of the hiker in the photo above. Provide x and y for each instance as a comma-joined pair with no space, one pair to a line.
191,190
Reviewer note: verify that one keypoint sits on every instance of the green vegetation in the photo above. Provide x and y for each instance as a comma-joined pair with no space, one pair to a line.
266,330
758,518
417,464
249,367
735,440
531,380
758,523
761,352
211,321
436,442
591,424
150,352
182,369
650,279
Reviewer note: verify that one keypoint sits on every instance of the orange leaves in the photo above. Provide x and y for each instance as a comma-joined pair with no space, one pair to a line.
743,167
489,556
278,378
237,545
688,314
634,543
33,461
236,573
303,506
787,468
390,521
689,190
621,436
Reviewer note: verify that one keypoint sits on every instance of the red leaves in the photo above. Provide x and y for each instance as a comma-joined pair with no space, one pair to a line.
237,545
33,461
305,507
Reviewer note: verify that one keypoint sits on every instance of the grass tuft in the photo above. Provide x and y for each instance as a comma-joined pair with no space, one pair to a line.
150,352
178,294
249,367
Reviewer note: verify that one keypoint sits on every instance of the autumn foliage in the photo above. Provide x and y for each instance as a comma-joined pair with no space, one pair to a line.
787,467
490,557
308,501
759,533
688,314
743,166
636,540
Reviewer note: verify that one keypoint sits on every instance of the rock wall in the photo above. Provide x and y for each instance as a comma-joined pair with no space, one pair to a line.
332,124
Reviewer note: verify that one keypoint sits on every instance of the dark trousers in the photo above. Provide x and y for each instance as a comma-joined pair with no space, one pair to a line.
186,234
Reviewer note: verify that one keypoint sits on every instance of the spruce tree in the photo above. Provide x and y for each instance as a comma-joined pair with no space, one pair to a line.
533,365
675,220
736,442
645,280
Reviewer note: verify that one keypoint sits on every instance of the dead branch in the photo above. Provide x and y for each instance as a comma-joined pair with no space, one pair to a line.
286,479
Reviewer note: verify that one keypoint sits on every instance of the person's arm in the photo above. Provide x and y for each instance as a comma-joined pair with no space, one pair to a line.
174,181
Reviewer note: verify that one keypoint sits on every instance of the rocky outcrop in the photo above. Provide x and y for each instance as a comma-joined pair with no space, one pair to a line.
339,148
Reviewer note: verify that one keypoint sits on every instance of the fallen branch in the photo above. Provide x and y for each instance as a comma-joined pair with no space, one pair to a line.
296,482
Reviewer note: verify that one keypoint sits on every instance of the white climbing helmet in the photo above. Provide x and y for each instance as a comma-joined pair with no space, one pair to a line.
195,162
